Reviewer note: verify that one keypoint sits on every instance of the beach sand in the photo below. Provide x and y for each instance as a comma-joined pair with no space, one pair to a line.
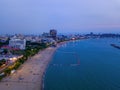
30,75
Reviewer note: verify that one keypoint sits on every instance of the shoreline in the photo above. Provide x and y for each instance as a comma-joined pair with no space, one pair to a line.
44,73
31,74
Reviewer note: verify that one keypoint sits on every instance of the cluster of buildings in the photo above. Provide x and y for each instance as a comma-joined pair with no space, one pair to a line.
18,41
9,43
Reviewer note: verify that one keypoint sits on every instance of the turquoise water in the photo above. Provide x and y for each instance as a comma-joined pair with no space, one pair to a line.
85,65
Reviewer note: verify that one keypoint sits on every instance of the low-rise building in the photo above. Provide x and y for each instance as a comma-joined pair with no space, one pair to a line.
3,39
17,43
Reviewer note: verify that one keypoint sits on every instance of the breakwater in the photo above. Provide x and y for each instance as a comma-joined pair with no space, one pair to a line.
115,46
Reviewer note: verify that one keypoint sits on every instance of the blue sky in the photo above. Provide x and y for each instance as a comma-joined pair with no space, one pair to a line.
37,16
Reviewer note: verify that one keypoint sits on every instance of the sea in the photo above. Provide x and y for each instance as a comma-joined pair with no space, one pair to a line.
91,64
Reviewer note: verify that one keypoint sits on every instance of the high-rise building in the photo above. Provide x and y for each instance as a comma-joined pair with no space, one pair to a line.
53,33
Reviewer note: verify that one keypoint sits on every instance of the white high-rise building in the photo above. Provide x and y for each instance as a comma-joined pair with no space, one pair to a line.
17,43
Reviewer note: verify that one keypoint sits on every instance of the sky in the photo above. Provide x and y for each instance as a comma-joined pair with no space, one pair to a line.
37,16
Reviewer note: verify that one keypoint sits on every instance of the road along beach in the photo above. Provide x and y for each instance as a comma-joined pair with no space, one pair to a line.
30,75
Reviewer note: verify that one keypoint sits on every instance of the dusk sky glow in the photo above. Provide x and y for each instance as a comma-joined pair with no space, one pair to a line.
37,16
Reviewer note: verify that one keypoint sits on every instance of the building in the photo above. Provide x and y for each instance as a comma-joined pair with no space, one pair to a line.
17,43
53,34
48,40
46,35
3,39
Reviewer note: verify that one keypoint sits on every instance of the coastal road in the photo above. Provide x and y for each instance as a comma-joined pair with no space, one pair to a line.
29,75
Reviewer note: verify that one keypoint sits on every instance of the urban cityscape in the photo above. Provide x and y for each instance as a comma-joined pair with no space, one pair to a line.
13,48
17,49
59,45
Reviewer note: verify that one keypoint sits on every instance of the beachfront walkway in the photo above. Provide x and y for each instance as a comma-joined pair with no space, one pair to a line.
29,75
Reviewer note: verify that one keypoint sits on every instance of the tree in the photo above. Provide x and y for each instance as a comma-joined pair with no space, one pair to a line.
7,71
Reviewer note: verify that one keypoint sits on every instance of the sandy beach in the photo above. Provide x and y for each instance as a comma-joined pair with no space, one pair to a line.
30,75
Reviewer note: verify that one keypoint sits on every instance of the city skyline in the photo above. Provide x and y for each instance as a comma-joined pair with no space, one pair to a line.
33,17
